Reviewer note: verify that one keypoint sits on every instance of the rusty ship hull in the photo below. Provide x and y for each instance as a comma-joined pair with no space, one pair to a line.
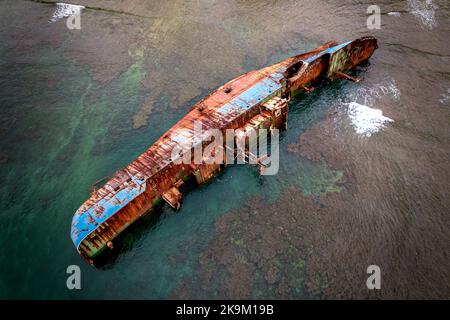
242,103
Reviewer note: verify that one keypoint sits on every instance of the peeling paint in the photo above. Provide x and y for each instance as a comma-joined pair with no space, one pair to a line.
131,192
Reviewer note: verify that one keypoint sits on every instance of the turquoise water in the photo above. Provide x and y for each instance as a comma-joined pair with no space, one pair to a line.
78,105
72,132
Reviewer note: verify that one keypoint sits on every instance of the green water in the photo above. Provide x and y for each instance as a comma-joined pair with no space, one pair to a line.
66,131
70,101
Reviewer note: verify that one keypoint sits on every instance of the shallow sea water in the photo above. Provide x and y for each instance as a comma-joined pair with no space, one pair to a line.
364,173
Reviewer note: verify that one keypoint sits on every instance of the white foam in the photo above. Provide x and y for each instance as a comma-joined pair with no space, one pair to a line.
445,97
365,120
424,11
65,10
368,95
394,13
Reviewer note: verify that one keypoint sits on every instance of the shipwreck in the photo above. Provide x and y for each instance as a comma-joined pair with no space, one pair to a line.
256,100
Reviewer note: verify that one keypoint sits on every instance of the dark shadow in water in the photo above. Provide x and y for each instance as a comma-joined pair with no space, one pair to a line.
127,240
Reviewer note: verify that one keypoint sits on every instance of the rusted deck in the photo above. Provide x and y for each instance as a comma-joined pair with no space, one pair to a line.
153,176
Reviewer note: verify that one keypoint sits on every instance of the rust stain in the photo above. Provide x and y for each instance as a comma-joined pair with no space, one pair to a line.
264,94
